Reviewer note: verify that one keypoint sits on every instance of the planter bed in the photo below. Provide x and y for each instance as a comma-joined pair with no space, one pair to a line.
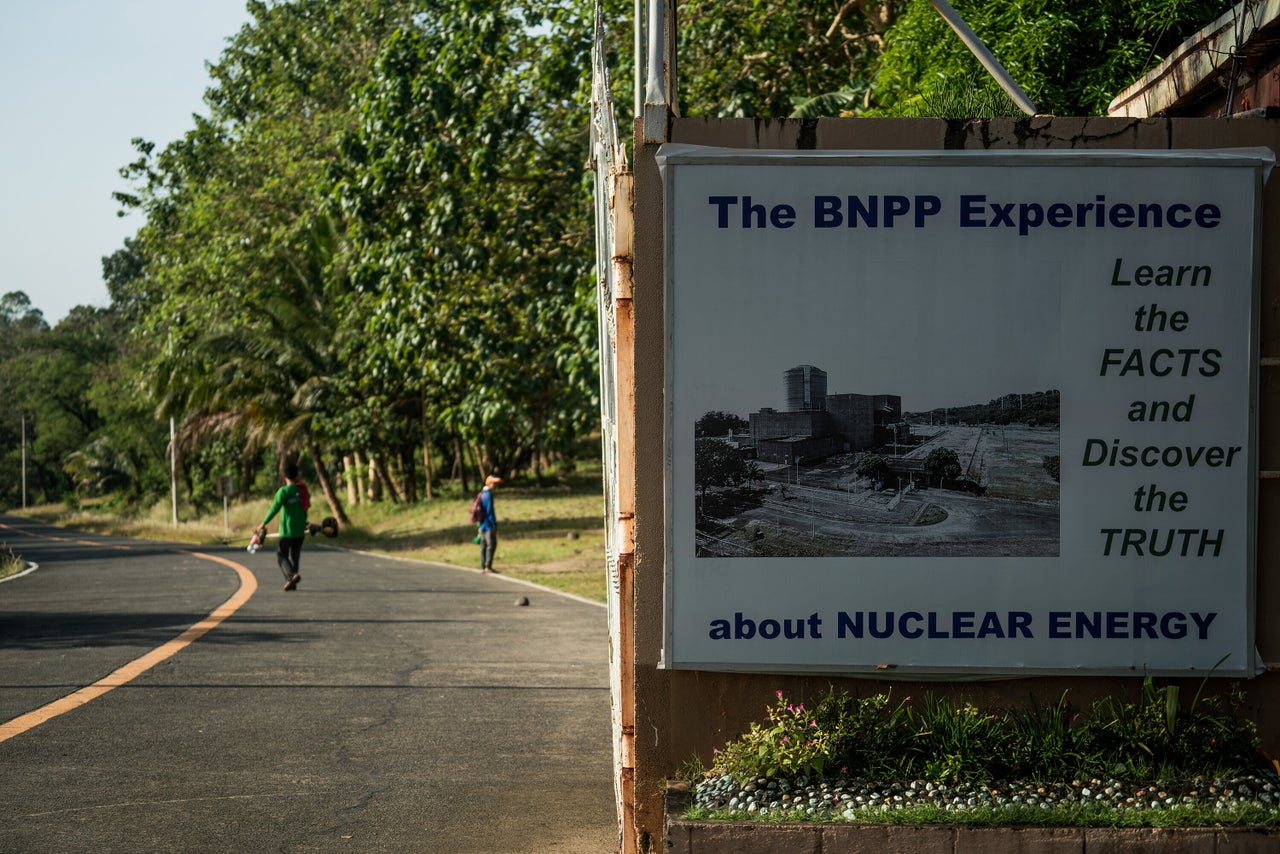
686,836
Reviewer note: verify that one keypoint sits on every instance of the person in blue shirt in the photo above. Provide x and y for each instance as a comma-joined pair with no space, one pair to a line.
488,524
289,503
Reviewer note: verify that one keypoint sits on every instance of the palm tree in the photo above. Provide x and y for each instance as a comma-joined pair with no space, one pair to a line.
276,378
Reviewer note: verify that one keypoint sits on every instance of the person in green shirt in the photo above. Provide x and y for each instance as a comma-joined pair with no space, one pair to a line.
289,503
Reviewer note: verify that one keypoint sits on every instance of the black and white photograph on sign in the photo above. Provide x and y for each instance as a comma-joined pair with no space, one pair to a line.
842,473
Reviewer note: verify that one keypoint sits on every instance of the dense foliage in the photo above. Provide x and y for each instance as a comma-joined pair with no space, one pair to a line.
775,58
719,424
717,463
1071,57
806,59
1032,408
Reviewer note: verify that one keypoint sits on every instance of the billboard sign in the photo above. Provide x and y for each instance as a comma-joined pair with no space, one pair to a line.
961,412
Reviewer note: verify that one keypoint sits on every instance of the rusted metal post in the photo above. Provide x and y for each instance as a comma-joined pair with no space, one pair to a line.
624,355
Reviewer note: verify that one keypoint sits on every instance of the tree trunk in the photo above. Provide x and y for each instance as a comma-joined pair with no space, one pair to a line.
379,464
426,450
410,470
375,480
246,476
326,486
180,466
399,481
362,491
349,475
460,462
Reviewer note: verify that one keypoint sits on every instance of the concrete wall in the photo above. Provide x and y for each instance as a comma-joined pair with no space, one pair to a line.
771,424
788,451
682,713
853,416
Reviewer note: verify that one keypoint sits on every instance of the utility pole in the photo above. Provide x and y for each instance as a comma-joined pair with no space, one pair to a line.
173,470
24,462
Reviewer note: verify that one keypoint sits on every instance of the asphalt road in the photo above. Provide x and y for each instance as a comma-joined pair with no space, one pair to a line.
384,706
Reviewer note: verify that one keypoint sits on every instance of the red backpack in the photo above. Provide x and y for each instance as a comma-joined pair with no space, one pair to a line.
477,509
304,495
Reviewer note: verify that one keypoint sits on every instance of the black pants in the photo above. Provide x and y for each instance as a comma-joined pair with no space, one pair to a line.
488,546
289,556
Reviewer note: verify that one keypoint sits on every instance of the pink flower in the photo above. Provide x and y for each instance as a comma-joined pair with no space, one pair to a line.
780,696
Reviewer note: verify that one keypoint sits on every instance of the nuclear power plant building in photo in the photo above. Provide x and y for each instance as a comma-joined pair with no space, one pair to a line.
817,425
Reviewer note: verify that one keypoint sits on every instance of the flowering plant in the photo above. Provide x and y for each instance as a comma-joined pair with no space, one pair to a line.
791,742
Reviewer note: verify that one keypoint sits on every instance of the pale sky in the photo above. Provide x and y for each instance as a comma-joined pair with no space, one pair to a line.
78,80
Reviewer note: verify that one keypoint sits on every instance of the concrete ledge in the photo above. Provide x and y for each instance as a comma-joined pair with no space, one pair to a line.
750,837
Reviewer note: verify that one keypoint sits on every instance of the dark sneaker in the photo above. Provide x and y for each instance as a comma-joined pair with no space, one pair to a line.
293,582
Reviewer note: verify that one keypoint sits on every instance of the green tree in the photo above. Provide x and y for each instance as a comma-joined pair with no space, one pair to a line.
445,142
227,202
943,464
128,455
466,204
125,274
718,423
275,380
21,326
716,463
64,386
232,205
1071,57
17,314
772,58
872,466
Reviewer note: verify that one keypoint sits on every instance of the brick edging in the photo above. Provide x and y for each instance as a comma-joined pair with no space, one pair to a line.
754,837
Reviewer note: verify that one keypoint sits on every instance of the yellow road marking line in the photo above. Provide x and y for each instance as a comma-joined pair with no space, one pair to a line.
140,665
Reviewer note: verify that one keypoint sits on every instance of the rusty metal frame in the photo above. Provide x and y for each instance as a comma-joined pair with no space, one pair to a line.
614,256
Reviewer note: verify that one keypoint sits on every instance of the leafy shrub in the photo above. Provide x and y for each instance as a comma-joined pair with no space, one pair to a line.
1156,737
942,740
1053,465
790,744
9,562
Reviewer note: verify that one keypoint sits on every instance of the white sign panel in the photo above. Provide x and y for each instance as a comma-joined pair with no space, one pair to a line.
961,412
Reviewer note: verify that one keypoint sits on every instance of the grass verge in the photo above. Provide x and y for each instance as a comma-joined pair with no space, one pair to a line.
10,564
549,535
